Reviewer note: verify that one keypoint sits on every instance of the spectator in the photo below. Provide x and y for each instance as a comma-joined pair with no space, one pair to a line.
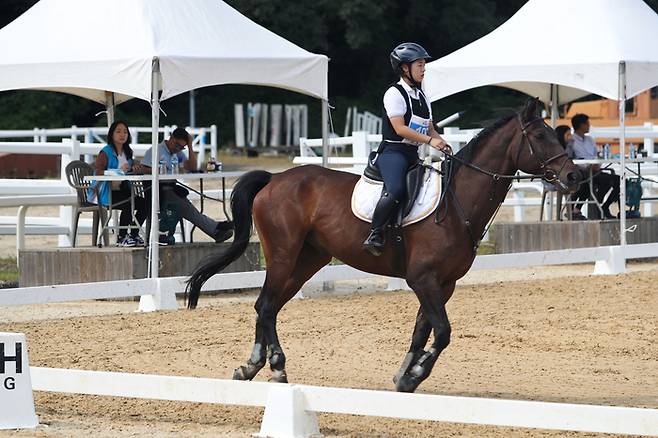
584,147
565,138
180,140
118,155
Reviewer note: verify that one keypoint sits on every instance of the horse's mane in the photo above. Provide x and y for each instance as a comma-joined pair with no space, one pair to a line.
466,153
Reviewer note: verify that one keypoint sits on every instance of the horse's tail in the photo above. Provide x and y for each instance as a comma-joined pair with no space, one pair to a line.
242,200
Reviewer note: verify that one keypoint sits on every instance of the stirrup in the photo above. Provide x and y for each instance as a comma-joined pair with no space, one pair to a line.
373,245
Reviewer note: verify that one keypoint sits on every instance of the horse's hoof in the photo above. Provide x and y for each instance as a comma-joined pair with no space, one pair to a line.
279,377
406,383
240,373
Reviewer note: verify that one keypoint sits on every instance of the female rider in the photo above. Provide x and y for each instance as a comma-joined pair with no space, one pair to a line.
407,125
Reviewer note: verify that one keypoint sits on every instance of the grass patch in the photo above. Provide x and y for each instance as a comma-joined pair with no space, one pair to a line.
8,269
486,248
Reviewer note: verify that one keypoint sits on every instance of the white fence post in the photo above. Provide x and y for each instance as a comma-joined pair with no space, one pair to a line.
213,141
66,212
518,209
201,158
614,264
89,138
648,142
163,298
360,147
285,415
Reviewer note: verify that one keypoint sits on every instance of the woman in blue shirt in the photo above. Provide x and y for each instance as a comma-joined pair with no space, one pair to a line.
118,154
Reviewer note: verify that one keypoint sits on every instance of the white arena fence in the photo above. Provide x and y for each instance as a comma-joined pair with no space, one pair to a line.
290,409
160,293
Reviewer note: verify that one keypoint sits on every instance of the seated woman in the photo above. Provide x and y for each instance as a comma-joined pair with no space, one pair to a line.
117,154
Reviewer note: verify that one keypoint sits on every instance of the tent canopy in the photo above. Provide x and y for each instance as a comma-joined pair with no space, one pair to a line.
87,47
575,44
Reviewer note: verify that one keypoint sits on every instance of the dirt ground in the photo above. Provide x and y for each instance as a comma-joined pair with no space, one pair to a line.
552,334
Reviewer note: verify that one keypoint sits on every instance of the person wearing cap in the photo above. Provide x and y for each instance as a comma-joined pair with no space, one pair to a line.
407,124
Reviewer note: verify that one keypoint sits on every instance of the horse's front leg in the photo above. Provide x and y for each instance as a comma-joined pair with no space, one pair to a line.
432,307
419,338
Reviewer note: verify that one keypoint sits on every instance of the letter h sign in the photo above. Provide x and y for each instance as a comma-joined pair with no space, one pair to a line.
17,357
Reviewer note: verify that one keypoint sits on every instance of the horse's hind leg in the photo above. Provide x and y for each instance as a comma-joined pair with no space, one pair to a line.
280,286
257,359
309,261
420,364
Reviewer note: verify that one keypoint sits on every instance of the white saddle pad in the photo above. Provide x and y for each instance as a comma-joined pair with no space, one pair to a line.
367,192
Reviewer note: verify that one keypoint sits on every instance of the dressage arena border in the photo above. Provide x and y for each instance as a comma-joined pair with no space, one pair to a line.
160,293
290,409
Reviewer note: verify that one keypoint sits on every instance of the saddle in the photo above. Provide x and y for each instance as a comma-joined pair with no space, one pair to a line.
414,183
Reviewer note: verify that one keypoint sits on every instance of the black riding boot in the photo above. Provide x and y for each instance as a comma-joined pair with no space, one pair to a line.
375,241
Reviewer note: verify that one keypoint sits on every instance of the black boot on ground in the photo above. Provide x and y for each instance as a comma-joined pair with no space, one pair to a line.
375,241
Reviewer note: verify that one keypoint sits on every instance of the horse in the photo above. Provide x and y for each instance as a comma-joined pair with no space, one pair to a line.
303,218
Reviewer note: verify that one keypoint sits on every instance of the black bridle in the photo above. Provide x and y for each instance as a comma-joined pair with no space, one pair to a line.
547,174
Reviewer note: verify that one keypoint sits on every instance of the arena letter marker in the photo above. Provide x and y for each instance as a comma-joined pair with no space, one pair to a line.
16,400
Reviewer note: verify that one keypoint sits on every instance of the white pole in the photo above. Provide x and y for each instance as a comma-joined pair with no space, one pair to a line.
554,103
192,110
622,155
109,106
325,133
155,167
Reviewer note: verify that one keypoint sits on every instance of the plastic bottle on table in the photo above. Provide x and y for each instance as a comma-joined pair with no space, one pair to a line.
632,152
174,164
162,168
606,151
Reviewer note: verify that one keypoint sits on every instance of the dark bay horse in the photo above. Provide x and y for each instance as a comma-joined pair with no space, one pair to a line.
303,218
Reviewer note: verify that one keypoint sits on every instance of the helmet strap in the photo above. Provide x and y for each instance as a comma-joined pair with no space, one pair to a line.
407,75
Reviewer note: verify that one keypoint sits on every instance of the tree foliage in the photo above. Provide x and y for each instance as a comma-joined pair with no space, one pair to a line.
357,36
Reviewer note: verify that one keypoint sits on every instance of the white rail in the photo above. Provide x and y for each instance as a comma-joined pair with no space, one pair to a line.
429,407
160,293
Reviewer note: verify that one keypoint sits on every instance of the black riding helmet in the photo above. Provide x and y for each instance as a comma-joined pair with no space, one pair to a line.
407,53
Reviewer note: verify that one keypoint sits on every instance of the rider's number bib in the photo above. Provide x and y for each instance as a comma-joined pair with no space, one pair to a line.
420,125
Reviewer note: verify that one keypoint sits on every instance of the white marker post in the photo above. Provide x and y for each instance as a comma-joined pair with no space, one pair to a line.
16,401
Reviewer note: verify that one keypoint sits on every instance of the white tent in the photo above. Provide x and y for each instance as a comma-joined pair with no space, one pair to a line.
576,44
112,50
87,47
560,50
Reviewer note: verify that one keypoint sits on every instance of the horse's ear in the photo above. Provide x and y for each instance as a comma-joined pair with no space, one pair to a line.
530,109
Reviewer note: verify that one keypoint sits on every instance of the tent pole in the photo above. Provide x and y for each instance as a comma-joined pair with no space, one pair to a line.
155,160
109,107
325,133
554,109
622,154
192,110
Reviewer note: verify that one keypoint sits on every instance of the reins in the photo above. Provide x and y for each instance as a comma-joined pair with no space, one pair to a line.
548,175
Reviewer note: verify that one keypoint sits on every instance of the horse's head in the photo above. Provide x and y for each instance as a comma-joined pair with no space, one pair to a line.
540,151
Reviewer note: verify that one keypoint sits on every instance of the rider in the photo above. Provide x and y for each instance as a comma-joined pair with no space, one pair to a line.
407,125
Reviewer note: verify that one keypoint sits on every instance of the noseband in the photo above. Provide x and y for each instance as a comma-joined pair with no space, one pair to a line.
548,175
